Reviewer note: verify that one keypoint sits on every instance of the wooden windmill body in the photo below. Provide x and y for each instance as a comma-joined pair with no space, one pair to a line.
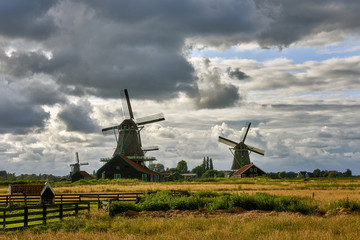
241,150
127,134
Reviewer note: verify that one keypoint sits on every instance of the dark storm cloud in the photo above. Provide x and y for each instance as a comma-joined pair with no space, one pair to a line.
291,20
99,47
237,74
17,115
26,19
22,64
76,118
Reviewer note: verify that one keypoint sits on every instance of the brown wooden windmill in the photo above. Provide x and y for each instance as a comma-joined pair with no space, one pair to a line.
127,134
241,150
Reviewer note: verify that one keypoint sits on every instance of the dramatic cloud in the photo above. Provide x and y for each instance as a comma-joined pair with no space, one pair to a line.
76,117
28,19
17,114
205,64
237,74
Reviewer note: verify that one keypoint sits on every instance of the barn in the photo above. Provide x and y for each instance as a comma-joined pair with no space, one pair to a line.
120,166
80,175
250,171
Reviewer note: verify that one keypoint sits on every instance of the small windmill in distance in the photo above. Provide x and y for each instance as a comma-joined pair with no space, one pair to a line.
241,150
75,167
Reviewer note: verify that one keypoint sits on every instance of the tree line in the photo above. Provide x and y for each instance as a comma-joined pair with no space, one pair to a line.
205,169
5,176
316,173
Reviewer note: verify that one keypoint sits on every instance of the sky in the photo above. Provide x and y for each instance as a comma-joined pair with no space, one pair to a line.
291,68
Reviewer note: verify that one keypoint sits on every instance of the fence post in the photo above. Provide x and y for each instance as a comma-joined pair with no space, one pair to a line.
61,199
76,208
44,214
26,210
61,211
4,219
99,203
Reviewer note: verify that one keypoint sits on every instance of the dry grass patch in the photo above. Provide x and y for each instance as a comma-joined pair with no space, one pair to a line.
248,225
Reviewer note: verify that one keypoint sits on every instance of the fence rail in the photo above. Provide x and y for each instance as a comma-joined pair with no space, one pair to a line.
20,217
64,198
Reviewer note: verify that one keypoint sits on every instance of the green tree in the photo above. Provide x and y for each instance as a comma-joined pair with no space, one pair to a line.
210,174
157,167
3,173
182,167
348,173
211,164
324,173
317,172
282,174
331,175
199,170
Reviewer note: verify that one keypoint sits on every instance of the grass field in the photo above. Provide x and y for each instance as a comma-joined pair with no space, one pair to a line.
217,225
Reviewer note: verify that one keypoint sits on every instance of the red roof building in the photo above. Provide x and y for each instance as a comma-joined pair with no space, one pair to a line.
250,171
120,166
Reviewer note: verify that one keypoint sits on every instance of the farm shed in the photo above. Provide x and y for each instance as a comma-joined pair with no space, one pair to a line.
120,166
250,171
80,175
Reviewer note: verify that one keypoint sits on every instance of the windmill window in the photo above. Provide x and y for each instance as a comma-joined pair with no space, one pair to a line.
117,167
251,169
117,176
255,169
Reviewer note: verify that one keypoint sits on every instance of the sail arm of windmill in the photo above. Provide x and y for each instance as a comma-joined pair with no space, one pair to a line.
227,141
150,148
256,150
85,163
150,119
109,130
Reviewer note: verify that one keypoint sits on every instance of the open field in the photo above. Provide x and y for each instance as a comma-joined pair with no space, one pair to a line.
216,225
325,190
248,225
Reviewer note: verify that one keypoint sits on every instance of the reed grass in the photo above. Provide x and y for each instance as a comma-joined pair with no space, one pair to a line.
240,226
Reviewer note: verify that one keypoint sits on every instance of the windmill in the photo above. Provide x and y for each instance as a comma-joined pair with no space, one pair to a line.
241,150
75,167
127,134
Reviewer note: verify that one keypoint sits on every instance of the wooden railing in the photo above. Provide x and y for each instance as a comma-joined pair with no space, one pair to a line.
64,198
20,217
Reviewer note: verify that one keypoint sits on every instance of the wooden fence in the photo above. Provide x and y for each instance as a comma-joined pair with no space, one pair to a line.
66,198
20,217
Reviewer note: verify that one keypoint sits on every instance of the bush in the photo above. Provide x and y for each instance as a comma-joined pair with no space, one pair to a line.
214,201
156,201
186,203
346,203
117,207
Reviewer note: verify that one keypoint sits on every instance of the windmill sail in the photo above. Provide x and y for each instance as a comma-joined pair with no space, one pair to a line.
150,148
109,130
227,141
125,100
150,119
245,132
256,150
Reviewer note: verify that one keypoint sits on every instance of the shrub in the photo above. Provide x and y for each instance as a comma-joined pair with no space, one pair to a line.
346,203
117,207
219,203
186,203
